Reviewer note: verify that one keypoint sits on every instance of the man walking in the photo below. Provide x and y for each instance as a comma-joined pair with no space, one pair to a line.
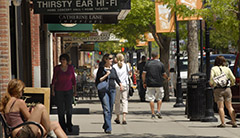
141,90
152,78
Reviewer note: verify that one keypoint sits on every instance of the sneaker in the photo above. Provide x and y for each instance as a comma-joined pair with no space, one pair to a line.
153,116
159,115
221,126
234,125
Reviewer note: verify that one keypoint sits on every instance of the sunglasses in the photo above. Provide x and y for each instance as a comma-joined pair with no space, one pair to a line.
110,58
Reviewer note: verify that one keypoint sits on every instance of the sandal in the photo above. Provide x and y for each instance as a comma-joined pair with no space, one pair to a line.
117,121
221,126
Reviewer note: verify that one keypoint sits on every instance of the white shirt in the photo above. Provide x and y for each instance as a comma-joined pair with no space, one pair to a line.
122,73
95,73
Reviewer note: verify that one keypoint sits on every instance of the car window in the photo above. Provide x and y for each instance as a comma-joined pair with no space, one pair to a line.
183,64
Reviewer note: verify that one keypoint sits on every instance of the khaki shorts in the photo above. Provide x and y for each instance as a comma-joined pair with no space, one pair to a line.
25,132
222,94
154,93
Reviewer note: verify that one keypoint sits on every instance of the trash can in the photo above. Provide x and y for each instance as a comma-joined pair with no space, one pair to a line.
196,99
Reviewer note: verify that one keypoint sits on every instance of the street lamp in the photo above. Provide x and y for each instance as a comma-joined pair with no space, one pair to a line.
209,113
16,2
179,100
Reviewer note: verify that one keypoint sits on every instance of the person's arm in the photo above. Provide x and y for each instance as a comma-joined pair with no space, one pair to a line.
74,82
118,80
23,108
232,78
165,76
144,79
54,80
211,82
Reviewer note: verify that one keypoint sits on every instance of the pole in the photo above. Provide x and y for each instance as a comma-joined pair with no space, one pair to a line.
209,113
179,100
201,45
150,49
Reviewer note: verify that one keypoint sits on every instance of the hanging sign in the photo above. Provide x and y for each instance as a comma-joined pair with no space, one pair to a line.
81,19
75,6
164,18
191,4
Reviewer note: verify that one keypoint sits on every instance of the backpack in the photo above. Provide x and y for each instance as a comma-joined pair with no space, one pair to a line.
221,80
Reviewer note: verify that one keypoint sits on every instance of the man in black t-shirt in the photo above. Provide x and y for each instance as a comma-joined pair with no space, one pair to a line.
152,77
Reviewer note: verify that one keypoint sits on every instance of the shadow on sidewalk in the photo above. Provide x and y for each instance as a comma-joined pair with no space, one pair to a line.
146,135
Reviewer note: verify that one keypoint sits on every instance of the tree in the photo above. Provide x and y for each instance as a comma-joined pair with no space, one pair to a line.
223,16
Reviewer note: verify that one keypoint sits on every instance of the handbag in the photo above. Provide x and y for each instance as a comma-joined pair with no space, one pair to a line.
221,80
104,85
131,90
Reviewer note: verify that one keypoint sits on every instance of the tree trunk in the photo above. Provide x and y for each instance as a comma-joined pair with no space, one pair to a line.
164,57
192,48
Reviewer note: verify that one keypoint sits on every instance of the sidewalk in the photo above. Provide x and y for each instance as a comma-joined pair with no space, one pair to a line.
174,124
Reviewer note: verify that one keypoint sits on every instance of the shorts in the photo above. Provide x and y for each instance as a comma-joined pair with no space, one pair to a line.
154,93
222,94
25,132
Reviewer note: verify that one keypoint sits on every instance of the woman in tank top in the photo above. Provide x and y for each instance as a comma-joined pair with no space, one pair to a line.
16,112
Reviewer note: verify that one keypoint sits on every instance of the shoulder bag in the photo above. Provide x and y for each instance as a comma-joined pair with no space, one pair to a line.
221,80
104,85
131,90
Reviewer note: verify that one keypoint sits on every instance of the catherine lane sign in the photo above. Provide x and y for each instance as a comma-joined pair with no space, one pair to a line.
80,18
74,6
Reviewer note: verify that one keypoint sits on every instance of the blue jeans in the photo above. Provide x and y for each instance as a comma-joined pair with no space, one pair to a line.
64,104
107,100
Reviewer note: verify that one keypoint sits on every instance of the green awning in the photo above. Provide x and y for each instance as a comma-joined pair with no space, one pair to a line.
70,27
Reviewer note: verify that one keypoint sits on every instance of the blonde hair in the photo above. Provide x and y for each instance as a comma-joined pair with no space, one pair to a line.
14,89
120,60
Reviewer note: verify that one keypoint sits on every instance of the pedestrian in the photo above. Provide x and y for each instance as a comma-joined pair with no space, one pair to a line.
16,112
95,71
64,88
223,95
152,78
141,90
123,72
107,73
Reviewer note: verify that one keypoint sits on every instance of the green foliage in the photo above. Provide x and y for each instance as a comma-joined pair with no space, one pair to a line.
221,15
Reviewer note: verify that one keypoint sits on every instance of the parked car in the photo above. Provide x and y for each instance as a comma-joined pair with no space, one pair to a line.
236,89
229,57
183,74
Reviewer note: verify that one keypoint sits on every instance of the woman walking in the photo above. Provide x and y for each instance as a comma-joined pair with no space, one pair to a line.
107,98
223,94
64,87
123,71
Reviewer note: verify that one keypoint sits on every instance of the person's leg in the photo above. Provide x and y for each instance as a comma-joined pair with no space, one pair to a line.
55,126
40,115
117,105
61,108
125,103
150,96
221,111
112,95
104,98
68,105
159,97
152,107
231,111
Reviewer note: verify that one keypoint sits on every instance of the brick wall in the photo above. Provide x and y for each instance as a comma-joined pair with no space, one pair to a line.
5,58
35,49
